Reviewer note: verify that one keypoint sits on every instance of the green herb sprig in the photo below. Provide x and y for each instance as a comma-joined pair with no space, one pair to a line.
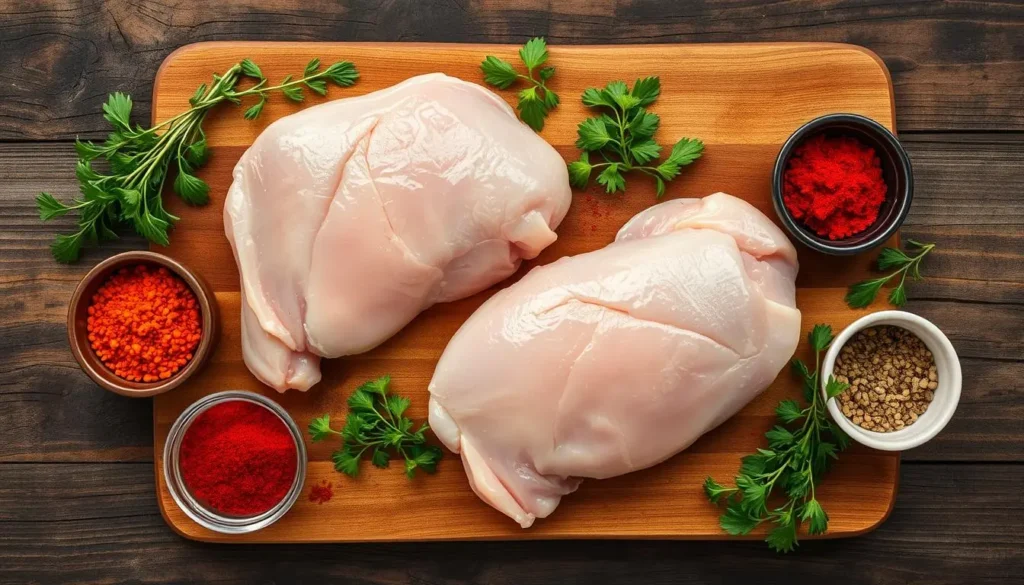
623,137
140,158
376,423
799,452
863,293
536,101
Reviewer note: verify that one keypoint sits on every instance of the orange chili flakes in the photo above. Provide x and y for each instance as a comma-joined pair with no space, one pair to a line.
144,323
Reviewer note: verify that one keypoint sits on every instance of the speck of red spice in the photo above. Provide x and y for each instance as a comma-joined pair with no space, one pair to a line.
143,323
238,459
834,186
595,210
321,492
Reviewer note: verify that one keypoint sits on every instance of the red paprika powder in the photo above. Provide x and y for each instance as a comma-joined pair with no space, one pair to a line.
238,458
321,492
834,186
144,323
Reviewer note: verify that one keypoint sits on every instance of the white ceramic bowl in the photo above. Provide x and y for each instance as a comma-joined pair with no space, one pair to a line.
946,396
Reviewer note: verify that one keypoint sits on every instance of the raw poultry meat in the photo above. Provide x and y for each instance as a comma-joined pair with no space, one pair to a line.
350,218
604,363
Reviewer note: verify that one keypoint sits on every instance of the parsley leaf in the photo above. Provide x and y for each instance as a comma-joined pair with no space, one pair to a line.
820,337
891,258
378,386
716,491
192,189
834,387
815,515
498,73
536,101
50,207
802,447
737,522
320,428
623,137
532,108
593,135
863,293
645,151
789,411
118,110
644,124
249,69
342,73
380,458
579,170
612,179
646,90
782,538
898,296
346,461
376,423
534,53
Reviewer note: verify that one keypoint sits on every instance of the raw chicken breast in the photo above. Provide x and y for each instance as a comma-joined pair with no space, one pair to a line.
350,218
612,361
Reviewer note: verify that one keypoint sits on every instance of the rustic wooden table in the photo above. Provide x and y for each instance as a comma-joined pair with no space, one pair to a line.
77,499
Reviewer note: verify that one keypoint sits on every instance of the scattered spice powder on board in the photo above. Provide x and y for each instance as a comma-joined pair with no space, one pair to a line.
892,378
834,185
321,492
238,458
144,323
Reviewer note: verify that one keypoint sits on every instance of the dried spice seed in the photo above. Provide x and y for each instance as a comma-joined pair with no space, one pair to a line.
893,378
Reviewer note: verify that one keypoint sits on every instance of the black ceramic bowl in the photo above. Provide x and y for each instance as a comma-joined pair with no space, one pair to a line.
896,170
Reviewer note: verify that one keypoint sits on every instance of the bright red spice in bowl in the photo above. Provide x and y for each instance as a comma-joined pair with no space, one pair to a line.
834,186
238,458
144,323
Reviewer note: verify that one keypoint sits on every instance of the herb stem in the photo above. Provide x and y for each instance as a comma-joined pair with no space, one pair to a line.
794,462
141,158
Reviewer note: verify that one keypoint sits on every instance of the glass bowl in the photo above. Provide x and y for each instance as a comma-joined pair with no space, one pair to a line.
205,516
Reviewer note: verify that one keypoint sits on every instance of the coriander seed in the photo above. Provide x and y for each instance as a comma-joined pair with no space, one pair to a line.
892,378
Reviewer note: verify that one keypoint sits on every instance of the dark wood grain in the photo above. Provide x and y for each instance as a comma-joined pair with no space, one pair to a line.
74,507
952,524
956,65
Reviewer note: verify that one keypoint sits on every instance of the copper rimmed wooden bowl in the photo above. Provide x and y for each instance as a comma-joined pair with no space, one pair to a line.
78,313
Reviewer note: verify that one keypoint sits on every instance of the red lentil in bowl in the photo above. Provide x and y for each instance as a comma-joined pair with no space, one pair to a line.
101,362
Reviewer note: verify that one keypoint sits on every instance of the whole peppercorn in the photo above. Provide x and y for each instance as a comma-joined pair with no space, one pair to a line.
144,323
892,377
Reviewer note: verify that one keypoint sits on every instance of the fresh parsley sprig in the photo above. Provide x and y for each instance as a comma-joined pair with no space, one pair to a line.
376,423
139,159
863,293
799,452
623,137
536,101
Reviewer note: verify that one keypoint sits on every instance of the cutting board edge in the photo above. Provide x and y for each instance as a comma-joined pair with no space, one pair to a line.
181,530
211,537
201,45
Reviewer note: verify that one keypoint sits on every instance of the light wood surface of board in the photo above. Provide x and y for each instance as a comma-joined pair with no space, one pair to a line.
743,101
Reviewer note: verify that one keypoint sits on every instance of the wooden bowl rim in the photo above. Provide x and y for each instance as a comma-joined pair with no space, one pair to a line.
91,364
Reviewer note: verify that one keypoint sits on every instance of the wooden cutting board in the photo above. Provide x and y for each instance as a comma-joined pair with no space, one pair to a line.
741,100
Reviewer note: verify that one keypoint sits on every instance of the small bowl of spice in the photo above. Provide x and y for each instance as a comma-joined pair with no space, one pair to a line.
141,323
235,462
842,184
904,380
